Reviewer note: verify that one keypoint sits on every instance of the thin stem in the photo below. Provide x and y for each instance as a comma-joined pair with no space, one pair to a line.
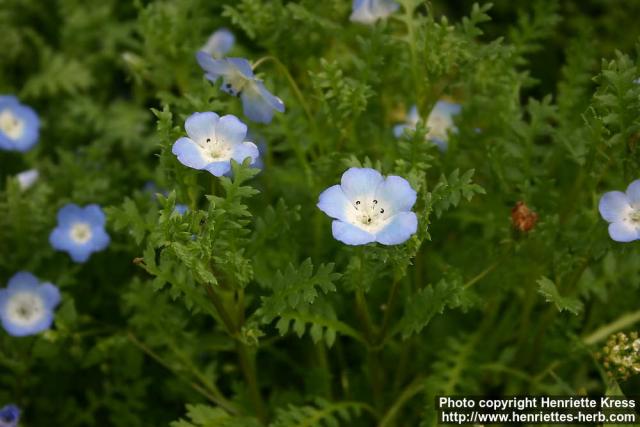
412,390
210,395
603,332
393,293
222,312
249,370
480,275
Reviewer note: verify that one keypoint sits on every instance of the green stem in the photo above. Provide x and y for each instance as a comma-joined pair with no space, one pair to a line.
412,390
393,293
603,332
249,370
211,395
246,364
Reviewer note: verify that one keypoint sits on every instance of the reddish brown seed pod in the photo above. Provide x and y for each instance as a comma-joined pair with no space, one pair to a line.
523,218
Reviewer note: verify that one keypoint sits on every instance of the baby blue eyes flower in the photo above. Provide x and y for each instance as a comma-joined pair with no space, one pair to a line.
440,121
367,207
9,416
213,141
19,125
369,11
27,178
26,306
258,103
622,211
80,231
219,43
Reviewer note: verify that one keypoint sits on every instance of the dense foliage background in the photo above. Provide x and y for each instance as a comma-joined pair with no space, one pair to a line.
263,317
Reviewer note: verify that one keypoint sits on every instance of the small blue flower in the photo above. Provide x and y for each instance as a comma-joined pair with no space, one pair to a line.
19,125
219,43
80,231
258,104
9,416
26,305
213,141
369,11
27,178
180,209
370,208
622,211
439,122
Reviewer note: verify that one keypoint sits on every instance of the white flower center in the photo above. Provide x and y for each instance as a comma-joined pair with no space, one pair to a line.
11,125
80,232
234,83
438,125
369,214
634,217
25,308
216,150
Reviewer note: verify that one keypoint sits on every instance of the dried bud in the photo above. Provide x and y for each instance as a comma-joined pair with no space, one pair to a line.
523,218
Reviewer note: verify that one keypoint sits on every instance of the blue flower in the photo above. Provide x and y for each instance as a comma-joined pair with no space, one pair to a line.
213,141
19,125
26,305
439,122
180,209
258,104
80,231
27,178
370,208
369,11
622,211
219,43
9,416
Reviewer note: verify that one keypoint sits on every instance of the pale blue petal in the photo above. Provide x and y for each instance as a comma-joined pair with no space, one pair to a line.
623,232
244,150
23,280
334,203
94,216
362,12
200,126
219,168
50,295
23,331
399,229
275,102
243,66
398,130
413,117
633,193
189,153
99,240
447,108
396,194
213,67
350,234
69,214
440,143
359,182
614,206
231,130
255,106
220,42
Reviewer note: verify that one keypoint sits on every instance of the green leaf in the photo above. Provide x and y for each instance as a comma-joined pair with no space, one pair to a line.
550,292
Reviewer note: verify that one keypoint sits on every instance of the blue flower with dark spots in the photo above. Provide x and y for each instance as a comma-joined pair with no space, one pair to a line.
258,103
26,306
368,207
212,143
19,125
80,231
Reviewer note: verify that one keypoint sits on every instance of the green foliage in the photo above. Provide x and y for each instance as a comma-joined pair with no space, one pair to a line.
244,308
